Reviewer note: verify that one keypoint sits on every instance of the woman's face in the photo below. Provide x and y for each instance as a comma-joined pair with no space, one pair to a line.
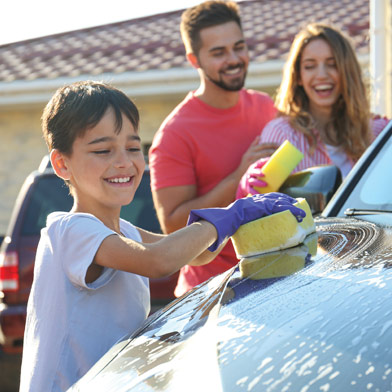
319,76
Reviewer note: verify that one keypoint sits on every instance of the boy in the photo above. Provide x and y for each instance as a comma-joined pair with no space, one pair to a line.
91,273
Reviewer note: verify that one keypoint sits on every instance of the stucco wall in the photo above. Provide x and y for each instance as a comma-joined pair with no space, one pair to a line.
21,150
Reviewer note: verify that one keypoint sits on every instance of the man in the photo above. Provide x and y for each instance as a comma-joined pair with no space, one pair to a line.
205,145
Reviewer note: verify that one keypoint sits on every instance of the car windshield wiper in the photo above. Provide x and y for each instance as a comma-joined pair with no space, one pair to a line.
358,211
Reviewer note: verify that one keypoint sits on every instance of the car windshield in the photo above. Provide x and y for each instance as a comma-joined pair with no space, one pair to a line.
374,189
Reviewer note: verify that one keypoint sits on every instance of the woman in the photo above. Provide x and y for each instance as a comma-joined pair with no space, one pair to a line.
322,105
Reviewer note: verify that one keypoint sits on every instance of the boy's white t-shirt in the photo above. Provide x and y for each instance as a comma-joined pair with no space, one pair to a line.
71,324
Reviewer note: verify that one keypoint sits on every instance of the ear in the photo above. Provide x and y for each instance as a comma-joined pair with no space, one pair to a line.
59,164
192,58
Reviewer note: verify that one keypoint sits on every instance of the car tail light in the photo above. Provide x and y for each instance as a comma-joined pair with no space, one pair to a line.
9,273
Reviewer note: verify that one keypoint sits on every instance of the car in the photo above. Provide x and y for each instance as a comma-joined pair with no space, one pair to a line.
42,193
316,317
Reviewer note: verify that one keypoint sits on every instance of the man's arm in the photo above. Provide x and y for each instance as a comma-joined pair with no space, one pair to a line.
173,204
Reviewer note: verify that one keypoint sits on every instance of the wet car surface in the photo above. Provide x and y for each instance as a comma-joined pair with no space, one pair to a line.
267,330
317,317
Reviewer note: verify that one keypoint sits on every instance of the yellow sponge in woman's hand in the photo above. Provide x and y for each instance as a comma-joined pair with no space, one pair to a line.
273,232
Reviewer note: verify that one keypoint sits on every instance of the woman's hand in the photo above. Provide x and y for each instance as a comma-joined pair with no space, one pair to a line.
251,179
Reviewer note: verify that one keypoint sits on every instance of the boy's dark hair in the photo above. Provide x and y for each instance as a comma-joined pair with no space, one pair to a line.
207,14
80,106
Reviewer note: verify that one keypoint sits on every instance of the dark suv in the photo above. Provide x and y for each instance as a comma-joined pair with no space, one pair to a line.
42,193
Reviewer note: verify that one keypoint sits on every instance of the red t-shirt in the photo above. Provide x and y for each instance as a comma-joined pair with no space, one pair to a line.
201,145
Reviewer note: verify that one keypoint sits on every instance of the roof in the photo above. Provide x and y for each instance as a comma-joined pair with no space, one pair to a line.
154,42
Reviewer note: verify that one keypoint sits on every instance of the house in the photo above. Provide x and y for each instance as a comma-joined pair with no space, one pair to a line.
145,58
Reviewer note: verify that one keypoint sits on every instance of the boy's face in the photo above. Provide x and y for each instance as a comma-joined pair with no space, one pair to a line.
105,167
223,58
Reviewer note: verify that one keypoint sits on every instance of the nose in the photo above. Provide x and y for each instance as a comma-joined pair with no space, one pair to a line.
233,57
322,71
122,159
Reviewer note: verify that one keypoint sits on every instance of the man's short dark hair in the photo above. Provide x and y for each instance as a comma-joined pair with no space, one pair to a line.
80,106
207,14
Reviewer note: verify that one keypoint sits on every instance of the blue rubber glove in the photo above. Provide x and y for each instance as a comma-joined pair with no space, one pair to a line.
228,220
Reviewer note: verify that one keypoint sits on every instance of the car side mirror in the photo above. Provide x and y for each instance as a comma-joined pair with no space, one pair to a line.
316,184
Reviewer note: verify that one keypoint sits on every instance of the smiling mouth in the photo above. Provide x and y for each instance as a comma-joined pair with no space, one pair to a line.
233,70
119,180
324,88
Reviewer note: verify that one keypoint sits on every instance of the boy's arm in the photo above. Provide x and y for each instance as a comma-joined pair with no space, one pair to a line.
207,228
160,258
204,258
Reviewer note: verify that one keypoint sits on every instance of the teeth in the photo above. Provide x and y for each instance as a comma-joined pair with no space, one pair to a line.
120,180
323,87
232,71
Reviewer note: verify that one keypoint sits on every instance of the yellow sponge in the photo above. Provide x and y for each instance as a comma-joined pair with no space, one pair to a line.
273,232
311,243
280,165
274,264
280,263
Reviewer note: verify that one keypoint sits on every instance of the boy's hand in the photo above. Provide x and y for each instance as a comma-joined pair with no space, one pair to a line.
228,220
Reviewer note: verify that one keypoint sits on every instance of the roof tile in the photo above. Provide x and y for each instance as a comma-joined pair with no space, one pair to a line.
154,42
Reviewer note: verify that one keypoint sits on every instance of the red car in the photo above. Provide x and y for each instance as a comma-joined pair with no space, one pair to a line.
42,193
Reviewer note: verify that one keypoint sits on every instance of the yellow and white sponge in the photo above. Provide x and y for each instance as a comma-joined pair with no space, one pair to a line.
273,232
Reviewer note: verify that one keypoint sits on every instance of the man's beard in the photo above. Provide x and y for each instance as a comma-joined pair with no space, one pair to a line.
235,85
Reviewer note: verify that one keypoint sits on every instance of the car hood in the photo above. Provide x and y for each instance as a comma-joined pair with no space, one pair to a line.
315,317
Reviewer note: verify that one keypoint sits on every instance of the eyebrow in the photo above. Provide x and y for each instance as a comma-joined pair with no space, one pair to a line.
313,59
109,138
216,48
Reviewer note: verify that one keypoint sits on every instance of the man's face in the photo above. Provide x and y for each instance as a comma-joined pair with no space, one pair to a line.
223,57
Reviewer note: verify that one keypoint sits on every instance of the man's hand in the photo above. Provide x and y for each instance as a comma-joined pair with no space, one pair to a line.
268,149
255,152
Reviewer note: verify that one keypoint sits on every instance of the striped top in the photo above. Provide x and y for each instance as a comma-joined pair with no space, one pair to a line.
279,130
